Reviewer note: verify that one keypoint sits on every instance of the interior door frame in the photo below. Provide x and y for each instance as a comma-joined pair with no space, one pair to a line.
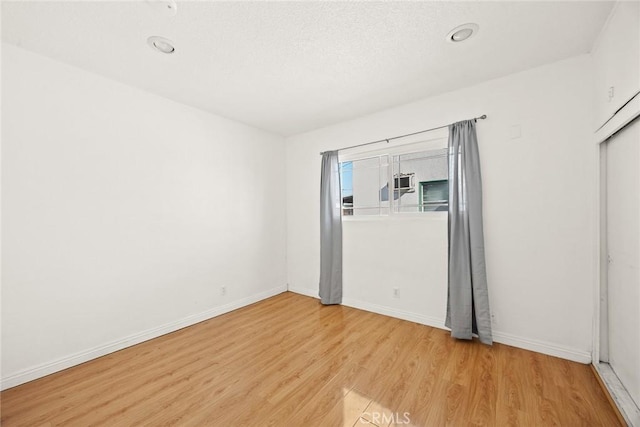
629,112
601,351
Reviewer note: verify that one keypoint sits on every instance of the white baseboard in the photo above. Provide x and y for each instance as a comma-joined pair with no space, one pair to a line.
543,347
499,337
313,293
393,312
93,353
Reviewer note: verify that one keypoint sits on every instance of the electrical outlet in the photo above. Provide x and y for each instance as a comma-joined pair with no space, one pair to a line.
396,292
223,290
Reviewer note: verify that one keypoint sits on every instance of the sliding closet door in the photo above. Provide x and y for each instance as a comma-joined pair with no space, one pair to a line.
623,241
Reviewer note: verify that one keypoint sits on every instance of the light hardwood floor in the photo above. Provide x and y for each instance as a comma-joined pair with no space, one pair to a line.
288,361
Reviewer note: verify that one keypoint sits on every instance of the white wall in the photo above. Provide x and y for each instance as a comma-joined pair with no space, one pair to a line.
123,215
538,210
616,57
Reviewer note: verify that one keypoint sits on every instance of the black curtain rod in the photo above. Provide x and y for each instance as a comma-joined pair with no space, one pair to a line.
482,117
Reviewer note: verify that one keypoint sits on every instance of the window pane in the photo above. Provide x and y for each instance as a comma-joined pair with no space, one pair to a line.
434,195
346,187
435,191
410,171
383,185
362,188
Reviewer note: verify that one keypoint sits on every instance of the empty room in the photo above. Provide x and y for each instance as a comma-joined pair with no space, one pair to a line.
320,213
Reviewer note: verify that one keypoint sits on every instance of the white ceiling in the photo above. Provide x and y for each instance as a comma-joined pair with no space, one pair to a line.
290,67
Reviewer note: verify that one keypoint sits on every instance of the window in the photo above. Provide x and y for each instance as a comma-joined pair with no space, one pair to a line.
346,187
418,179
404,182
362,181
434,195
422,166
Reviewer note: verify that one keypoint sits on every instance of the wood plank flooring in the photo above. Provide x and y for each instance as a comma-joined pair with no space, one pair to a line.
288,361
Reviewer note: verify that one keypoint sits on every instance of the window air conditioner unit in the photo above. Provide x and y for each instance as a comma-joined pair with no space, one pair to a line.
405,183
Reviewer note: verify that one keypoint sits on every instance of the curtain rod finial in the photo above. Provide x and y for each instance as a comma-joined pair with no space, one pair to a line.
484,116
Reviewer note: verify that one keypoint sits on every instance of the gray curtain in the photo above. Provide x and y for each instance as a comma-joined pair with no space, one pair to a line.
330,230
468,298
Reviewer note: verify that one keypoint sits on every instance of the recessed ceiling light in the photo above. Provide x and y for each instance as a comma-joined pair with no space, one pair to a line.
462,32
161,44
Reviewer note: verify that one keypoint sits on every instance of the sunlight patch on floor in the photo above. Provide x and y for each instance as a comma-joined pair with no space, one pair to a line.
360,410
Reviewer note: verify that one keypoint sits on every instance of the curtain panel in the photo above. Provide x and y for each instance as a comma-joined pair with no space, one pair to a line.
468,299
330,288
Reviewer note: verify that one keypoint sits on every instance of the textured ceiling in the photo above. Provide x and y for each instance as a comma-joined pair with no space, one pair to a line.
290,67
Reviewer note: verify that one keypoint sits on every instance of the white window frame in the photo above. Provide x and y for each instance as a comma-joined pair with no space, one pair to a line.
437,140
